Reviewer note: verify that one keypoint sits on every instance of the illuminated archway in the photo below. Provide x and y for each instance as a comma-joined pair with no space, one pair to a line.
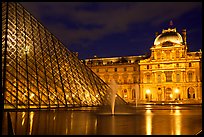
191,92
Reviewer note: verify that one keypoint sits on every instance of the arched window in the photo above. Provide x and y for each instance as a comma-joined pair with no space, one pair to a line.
191,92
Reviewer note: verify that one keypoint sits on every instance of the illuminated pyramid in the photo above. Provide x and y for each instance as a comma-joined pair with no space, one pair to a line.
38,71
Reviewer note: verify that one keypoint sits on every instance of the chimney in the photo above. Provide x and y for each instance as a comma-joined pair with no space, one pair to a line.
184,36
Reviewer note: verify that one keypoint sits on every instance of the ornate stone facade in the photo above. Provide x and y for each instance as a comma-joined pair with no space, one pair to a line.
123,70
170,73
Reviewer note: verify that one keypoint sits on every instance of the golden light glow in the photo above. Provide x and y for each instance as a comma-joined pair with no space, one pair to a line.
178,122
148,122
23,117
31,122
176,90
81,86
148,91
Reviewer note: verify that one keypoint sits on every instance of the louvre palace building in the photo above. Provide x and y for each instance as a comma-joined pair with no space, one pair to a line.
38,71
171,73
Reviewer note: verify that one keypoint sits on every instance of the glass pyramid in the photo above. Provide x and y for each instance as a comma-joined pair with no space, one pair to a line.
38,71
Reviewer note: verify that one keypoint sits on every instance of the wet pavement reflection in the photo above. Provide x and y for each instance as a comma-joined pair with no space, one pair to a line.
160,120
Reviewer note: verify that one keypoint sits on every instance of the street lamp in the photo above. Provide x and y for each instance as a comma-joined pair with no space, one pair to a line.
148,93
177,92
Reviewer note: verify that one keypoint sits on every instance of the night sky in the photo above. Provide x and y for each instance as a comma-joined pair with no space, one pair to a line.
113,29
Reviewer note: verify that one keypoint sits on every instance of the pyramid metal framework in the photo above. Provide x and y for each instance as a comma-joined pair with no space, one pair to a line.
38,71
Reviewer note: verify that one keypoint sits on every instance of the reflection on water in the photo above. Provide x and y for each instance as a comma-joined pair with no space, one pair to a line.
81,122
148,122
31,122
177,122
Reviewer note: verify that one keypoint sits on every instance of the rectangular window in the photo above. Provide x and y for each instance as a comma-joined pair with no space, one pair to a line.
158,55
159,78
177,54
148,78
115,69
168,76
134,79
190,64
190,76
167,54
177,77
125,69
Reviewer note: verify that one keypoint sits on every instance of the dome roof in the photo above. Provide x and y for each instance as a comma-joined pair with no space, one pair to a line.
169,35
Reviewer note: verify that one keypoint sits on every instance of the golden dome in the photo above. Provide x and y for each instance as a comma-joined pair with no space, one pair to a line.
169,35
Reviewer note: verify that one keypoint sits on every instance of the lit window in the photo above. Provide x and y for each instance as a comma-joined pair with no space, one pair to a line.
168,54
158,55
148,78
190,76
177,77
177,54
159,78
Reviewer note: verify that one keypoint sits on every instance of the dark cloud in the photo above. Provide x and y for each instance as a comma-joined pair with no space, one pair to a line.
82,22
113,17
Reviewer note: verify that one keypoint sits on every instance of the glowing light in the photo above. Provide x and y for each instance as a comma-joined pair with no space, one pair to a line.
171,95
23,117
176,90
31,122
148,91
32,95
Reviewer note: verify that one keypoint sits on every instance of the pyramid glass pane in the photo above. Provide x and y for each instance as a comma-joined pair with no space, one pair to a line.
38,71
